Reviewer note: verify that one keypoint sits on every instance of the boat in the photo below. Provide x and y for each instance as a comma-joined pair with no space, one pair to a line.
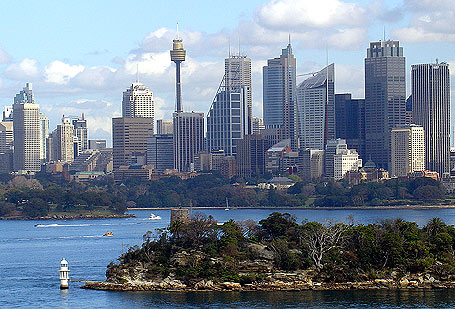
154,217
108,234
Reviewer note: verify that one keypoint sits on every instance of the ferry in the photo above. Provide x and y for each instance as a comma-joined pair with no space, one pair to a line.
154,217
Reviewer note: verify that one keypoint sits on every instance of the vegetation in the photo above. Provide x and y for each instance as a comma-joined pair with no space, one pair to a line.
330,252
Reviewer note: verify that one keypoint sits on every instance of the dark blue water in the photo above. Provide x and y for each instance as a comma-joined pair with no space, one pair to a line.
30,257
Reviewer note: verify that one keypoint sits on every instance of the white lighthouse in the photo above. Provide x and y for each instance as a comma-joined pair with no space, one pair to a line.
64,274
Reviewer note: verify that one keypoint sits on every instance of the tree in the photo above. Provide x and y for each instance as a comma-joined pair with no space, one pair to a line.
319,239
428,193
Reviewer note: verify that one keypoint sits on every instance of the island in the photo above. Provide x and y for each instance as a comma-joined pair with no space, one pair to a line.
278,253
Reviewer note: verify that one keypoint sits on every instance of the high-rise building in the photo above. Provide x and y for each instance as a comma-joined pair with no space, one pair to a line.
7,113
279,101
129,140
258,125
44,134
431,110
344,161
26,129
138,102
160,152
81,132
64,141
350,121
250,159
164,126
229,117
311,163
385,98
6,136
316,106
407,150
188,138
333,147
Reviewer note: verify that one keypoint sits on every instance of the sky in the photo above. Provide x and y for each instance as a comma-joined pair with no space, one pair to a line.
81,55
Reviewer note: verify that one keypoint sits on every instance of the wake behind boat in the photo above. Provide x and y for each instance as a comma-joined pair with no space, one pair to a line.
154,217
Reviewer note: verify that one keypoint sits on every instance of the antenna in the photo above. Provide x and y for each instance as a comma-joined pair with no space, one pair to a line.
384,33
289,39
177,30
229,47
137,72
239,44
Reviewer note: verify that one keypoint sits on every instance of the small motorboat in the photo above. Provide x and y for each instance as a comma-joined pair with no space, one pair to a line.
39,225
154,217
108,234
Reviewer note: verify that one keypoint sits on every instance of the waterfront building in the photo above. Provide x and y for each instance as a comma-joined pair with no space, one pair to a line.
229,117
188,139
160,152
385,98
350,121
26,131
44,134
138,102
316,106
164,126
408,150
129,140
96,143
431,110
279,105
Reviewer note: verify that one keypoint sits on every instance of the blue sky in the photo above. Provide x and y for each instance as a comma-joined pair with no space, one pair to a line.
81,55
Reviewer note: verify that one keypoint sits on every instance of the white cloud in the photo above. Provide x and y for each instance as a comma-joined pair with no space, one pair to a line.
27,69
58,72
292,14
148,63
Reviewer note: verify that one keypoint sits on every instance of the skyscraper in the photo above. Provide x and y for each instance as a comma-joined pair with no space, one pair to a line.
65,139
164,126
350,121
279,86
407,150
129,140
81,132
229,117
44,134
431,109
160,152
385,98
26,128
138,102
316,109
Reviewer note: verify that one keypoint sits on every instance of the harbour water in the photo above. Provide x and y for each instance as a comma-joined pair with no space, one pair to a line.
30,257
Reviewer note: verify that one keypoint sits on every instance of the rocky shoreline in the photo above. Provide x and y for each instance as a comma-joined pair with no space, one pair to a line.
275,282
70,217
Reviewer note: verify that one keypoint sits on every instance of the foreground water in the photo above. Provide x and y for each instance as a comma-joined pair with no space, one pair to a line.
30,257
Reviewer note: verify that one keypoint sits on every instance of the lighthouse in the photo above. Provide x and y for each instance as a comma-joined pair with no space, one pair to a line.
64,274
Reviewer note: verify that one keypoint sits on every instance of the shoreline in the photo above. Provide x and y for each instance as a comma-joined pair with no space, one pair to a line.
70,217
416,207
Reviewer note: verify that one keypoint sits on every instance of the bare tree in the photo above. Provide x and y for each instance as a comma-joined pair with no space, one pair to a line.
319,239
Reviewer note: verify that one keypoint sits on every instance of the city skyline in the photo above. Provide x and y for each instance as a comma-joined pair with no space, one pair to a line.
89,76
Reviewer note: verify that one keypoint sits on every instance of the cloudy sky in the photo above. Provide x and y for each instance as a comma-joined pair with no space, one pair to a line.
81,55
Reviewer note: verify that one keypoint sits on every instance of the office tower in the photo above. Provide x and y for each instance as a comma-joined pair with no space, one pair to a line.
164,126
311,163
81,132
350,121
279,101
228,119
250,159
160,152
138,102
431,110
258,125
333,147
274,156
188,138
6,136
97,144
316,106
409,110
178,56
44,134
61,142
345,160
385,98
129,140
7,113
407,150
26,129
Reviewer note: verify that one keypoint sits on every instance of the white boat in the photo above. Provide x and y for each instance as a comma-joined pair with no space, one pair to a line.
154,217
